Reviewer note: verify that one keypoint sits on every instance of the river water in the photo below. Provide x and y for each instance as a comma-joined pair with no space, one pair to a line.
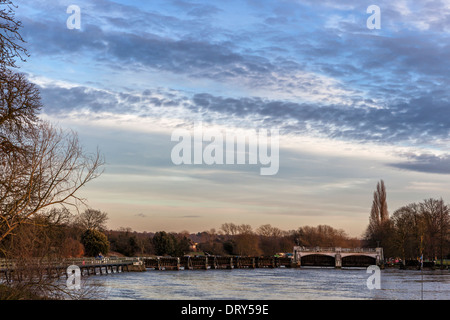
273,284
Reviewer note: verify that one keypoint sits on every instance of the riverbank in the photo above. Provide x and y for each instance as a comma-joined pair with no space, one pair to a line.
16,293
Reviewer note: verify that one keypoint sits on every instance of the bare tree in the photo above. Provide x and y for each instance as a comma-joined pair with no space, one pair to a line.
50,172
436,218
422,227
379,228
229,229
379,212
93,220
407,230
267,230
11,42
19,104
245,229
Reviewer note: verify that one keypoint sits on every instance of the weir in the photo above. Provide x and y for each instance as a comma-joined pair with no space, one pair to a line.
302,257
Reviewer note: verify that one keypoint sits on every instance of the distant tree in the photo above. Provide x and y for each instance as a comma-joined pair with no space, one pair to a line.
436,219
267,230
92,219
379,212
164,243
182,245
422,228
125,242
408,228
322,236
229,229
94,242
379,231
272,240
247,244
229,247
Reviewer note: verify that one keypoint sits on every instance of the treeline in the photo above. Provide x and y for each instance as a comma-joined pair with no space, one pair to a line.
60,234
230,239
415,230
267,240
56,234
412,230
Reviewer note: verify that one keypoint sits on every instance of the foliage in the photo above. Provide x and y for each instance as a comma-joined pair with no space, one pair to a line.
124,243
168,244
422,228
95,242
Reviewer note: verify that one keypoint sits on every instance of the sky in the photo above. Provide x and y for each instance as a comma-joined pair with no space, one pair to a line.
352,105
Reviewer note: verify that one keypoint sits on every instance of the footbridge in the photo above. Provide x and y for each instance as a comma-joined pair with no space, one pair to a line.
338,257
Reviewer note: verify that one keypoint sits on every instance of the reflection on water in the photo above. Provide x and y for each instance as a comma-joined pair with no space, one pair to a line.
275,284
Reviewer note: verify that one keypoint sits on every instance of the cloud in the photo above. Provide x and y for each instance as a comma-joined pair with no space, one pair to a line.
305,62
332,79
428,163
416,122
141,215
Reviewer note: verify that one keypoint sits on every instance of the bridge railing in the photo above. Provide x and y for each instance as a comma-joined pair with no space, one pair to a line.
334,249
12,263
357,250
315,249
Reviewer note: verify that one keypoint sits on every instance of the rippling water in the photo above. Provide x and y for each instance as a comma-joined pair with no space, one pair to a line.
276,284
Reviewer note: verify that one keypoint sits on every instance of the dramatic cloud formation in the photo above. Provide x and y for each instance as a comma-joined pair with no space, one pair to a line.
353,105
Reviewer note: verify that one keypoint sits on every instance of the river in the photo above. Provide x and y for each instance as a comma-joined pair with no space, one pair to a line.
272,284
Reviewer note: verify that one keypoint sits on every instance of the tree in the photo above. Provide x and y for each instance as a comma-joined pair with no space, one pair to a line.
124,242
94,242
163,243
92,219
229,229
11,42
436,218
20,103
379,212
246,241
40,165
182,245
272,240
322,236
407,231
378,232
50,172
267,230
422,228
247,244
